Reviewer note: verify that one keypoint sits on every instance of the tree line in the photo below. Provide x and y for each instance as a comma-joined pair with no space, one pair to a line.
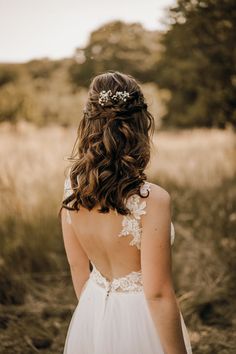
194,59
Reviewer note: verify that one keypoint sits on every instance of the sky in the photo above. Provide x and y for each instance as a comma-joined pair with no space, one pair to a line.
31,29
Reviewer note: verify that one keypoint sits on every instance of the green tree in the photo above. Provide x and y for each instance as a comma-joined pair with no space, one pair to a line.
117,46
198,64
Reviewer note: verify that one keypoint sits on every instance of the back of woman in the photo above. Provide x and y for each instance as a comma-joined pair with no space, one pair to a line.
118,222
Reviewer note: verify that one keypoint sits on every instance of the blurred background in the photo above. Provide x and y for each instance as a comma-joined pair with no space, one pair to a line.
183,53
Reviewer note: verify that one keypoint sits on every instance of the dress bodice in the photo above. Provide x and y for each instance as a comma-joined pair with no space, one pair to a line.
131,282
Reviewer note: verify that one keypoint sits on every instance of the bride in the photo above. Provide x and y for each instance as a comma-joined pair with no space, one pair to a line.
119,224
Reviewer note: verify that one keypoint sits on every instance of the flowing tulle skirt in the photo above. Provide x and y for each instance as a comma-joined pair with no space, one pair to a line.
116,324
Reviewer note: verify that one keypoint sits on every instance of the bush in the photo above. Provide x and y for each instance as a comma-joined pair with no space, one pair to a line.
12,289
11,103
7,74
42,68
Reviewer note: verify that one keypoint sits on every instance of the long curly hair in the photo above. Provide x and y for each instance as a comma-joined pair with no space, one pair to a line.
112,148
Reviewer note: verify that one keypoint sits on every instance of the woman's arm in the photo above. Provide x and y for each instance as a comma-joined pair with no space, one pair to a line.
156,272
78,260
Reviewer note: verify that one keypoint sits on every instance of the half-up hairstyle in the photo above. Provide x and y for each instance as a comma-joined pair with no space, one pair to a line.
112,148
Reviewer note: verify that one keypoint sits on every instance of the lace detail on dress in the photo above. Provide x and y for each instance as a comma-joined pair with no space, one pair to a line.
67,192
131,223
132,282
172,234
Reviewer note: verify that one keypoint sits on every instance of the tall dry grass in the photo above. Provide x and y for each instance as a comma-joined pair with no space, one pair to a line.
32,164
198,158
197,167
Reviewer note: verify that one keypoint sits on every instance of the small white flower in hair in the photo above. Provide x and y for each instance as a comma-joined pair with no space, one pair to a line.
105,96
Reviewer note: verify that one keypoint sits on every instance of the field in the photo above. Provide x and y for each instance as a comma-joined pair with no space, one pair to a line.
197,167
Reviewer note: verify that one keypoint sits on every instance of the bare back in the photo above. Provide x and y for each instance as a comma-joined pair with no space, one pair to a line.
112,241
98,235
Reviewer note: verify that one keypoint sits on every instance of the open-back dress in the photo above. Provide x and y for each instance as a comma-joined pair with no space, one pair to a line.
112,317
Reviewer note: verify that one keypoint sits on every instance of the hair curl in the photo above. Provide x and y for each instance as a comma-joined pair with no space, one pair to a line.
112,148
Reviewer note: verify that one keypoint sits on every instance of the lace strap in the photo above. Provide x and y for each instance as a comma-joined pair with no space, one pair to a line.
172,233
131,223
67,193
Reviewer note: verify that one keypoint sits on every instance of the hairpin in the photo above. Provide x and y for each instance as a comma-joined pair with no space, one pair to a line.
105,96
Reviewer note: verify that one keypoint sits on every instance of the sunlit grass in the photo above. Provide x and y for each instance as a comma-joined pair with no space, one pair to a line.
198,158
197,167
32,162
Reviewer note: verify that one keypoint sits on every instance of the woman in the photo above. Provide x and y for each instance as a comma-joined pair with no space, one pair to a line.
115,220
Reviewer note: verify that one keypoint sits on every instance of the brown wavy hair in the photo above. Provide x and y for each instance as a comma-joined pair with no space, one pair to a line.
112,148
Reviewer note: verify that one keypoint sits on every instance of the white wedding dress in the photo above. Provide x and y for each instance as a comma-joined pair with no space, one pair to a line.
112,317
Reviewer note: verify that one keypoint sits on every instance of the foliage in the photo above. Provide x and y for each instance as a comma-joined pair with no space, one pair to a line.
45,100
12,289
11,102
42,68
7,74
41,95
191,68
117,46
198,64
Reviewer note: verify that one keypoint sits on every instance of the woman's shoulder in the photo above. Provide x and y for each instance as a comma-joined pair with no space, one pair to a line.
158,203
158,195
159,207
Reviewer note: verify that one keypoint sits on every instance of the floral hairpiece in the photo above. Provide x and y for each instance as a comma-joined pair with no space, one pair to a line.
105,96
